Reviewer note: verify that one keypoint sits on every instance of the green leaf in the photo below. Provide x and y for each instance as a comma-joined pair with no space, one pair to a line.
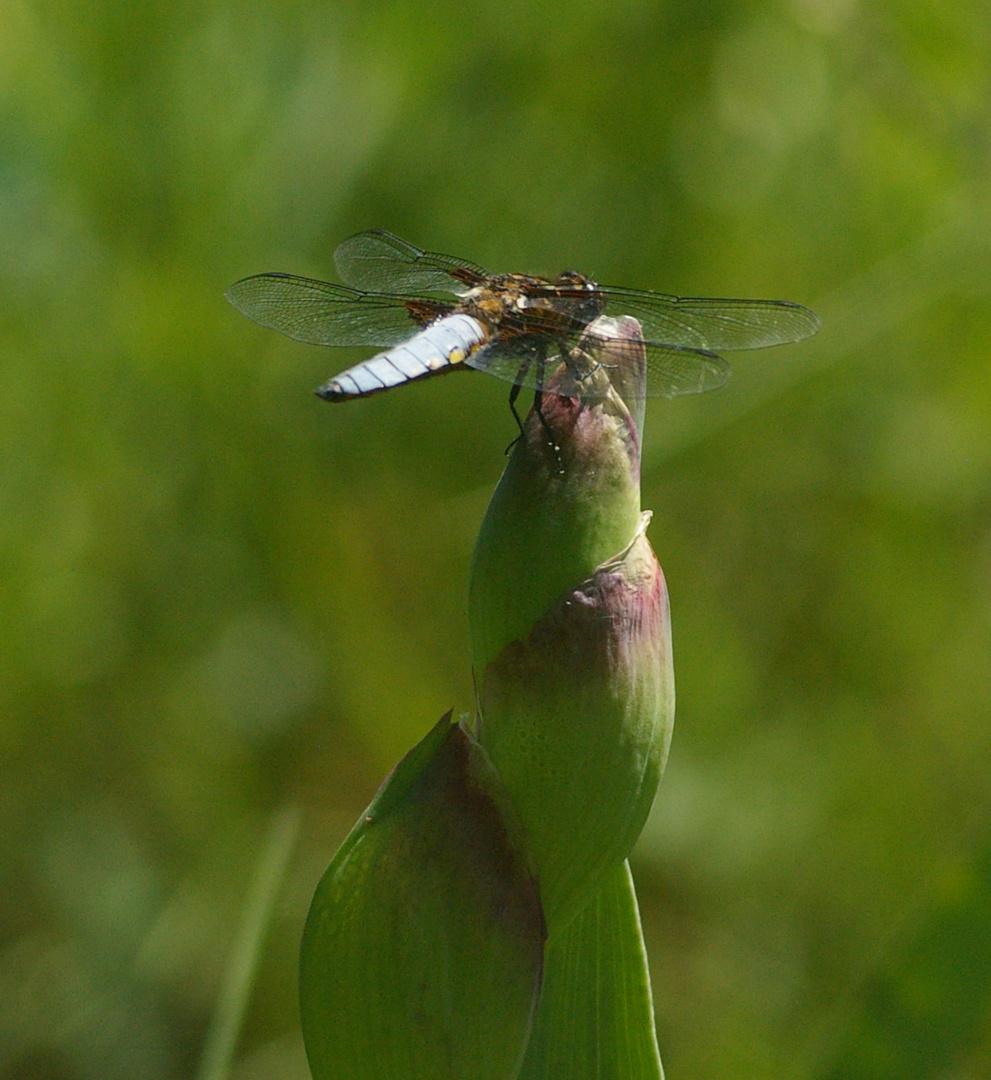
596,1016
422,951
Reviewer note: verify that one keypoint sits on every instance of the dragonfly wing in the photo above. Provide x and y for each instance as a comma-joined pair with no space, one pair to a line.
526,359
320,313
529,359
674,370
378,261
713,324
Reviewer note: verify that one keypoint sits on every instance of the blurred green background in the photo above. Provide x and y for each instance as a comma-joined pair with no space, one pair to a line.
221,596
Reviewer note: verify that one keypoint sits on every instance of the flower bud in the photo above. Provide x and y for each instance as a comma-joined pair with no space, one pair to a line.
570,627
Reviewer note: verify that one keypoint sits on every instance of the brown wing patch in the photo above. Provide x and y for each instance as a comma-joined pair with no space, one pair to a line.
423,312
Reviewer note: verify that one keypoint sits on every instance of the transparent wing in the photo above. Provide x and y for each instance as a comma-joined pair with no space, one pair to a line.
320,313
526,359
712,324
672,370
377,261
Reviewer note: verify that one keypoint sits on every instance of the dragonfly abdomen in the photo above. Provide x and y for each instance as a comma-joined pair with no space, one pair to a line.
439,347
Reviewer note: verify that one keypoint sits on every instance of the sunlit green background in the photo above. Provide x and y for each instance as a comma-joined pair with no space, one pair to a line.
220,596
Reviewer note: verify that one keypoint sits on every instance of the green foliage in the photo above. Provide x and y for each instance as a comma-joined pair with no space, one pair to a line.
423,948
595,1017
219,594
424,951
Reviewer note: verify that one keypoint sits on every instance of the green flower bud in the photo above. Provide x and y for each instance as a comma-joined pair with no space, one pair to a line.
571,632
568,500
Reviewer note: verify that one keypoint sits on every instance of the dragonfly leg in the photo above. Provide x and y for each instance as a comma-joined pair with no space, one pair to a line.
514,394
538,398
538,401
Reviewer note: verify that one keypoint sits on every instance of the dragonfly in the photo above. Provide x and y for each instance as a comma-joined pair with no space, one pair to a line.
435,313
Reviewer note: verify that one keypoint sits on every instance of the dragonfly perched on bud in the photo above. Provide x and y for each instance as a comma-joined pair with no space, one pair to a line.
435,313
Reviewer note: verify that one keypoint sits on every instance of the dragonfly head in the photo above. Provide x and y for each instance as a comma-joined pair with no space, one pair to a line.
586,302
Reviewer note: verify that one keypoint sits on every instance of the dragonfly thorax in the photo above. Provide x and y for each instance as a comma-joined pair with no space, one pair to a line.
518,303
